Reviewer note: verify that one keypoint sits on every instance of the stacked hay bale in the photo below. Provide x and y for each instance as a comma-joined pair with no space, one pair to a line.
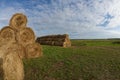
25,37
56,40
16,42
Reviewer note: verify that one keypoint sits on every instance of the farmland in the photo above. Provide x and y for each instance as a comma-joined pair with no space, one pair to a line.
85,60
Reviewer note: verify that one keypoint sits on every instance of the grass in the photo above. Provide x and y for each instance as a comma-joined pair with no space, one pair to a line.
85,60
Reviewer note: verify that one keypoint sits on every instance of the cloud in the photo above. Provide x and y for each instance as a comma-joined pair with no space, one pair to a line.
7,12
79,18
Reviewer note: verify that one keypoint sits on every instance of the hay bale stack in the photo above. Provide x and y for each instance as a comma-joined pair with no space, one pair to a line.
56,40
24,34
33,50
18,21
16,42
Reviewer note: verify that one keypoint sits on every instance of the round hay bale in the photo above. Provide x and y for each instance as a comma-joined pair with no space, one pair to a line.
7,34
26,36
18,21
18,48
33,50
13,66
12,63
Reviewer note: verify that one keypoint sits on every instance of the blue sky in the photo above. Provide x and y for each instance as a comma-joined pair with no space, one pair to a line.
81,19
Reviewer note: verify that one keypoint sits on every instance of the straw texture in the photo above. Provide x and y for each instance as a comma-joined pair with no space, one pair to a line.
56,40
26,36
17,41
18,21
13,66
7,34
33,50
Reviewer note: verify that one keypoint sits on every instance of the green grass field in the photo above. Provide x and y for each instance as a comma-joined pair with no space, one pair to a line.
85,60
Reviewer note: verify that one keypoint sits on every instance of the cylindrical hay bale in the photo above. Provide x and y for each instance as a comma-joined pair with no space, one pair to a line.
7,34
18,48
33,50
13,66
18,21
57,40
26,36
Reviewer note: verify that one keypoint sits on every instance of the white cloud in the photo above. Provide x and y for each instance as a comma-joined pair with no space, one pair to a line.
79,18
6,14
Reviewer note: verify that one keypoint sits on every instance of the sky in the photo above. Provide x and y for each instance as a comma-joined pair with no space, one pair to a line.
81,19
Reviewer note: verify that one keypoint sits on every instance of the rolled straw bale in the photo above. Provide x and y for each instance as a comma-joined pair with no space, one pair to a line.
18,21
26,36
13,66
33,50
57,40
7,34
12,63
18,48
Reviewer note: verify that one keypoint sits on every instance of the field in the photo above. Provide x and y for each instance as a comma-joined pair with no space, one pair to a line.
85,60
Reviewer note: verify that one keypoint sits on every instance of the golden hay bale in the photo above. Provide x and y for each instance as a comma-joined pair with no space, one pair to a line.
18,21
7,34
57,40
13,66
18,48
33,50
26,36
12,63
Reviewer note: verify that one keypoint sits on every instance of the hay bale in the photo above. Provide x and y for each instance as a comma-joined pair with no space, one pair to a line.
33,50
18,48
7,34
12,63
26,36
57,40
13,67
18,21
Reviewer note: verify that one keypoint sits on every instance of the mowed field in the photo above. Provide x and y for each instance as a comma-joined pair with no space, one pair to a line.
85,60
